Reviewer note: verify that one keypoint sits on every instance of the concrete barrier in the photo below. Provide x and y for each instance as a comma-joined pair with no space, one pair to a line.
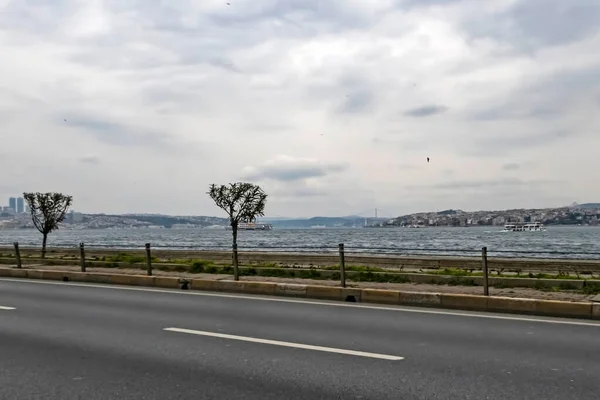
34,274
265,288
166,282
563,309
333,293
204,284
138,280
290,290
230,286
380,296
93,277
596,310
18,273
420,299
56,275
464,301
324,292
512,305
454,301
115,279
84,277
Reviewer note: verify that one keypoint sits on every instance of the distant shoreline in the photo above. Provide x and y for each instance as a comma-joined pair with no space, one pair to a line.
275,228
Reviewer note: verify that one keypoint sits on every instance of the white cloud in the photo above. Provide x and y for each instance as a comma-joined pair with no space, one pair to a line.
163,98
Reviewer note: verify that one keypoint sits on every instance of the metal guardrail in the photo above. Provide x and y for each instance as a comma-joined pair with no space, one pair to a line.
371,250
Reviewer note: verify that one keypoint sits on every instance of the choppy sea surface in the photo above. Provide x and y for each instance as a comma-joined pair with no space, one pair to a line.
557,242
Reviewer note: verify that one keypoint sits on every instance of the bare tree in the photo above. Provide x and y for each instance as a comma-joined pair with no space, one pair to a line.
47,211
243,202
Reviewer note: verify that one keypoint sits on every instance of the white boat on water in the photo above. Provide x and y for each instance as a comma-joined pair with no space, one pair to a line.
525,227
251,226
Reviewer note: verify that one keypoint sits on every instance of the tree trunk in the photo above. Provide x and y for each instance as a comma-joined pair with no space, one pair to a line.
236,272
44,246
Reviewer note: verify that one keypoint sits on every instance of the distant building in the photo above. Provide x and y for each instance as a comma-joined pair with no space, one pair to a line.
8,211
74,217
20,205
12,203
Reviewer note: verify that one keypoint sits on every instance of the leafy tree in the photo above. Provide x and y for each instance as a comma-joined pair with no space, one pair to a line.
47,211
243,202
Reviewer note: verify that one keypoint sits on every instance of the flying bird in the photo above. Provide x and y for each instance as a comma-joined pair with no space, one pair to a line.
427,159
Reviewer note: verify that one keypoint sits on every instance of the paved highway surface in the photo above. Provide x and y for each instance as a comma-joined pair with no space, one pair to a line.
69,341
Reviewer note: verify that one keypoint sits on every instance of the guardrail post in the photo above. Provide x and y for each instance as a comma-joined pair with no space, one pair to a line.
484,260
148,259
82,256
342,265
18,254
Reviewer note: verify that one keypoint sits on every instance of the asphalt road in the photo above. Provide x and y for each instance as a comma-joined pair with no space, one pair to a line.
69,341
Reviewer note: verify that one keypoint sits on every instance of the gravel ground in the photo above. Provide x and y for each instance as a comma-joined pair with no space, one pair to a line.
506,292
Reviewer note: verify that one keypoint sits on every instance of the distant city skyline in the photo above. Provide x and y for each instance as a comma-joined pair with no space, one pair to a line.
15,205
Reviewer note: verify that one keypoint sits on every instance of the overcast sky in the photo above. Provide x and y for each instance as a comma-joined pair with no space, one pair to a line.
332,106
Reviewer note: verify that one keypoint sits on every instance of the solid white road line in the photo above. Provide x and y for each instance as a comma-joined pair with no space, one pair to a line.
417,310
287,344
7,308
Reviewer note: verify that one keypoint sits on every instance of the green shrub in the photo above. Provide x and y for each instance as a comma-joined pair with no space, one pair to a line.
128,258
211,269
566,286
227,270
591,288
199,266
309,274
275,272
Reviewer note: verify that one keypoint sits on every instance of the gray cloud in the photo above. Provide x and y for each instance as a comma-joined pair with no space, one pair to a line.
358,102
484,184
291,193
225,64
530,24
293,173
116,134
545,97
427,3
511,166
289,169
501,144
513,110
323,17
89,159
426,111
409,167
269,127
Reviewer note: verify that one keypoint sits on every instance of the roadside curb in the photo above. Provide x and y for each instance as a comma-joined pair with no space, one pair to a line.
550,308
